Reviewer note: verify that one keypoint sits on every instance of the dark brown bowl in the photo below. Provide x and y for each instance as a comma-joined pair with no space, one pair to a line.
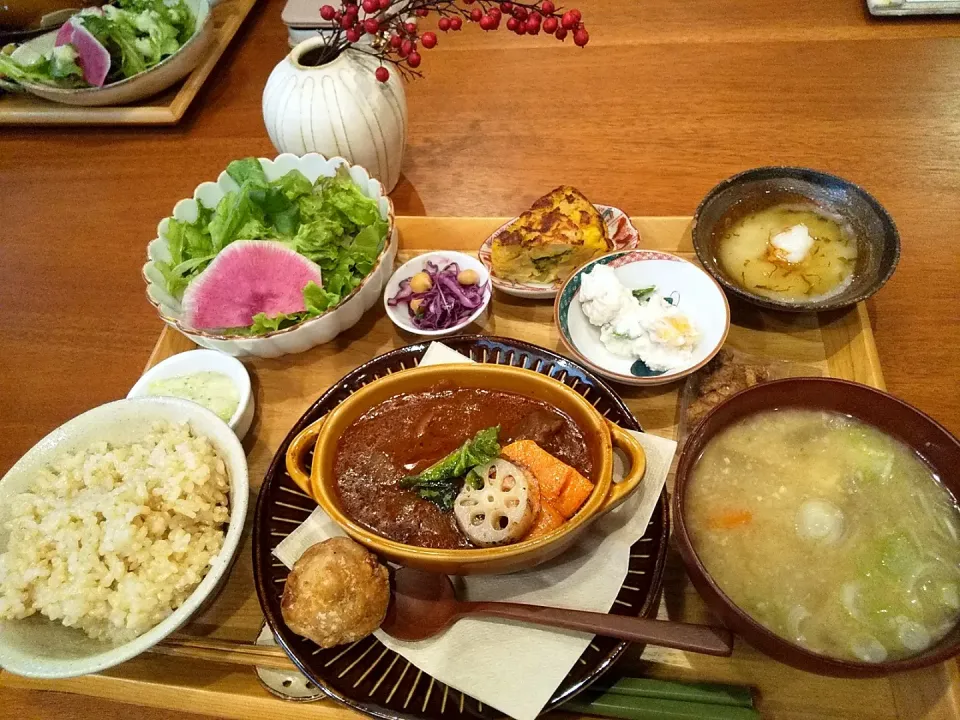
878,242
929,439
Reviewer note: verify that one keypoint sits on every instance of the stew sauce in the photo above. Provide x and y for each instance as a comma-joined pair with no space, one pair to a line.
407,433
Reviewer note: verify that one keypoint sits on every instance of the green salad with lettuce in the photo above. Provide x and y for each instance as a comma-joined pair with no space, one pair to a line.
106,44
330,222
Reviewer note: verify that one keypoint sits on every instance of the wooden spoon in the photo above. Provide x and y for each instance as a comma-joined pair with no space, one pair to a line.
424,604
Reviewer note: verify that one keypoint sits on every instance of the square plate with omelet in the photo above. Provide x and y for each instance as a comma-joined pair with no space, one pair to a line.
533,254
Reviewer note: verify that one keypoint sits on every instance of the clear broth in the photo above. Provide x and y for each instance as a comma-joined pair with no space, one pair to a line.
827,268
829,532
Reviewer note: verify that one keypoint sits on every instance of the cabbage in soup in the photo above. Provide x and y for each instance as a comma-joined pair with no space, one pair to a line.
829,532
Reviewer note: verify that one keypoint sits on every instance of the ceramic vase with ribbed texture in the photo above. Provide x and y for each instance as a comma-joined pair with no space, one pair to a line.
338,108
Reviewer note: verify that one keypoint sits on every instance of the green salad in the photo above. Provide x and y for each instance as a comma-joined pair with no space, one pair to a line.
330,222
107,44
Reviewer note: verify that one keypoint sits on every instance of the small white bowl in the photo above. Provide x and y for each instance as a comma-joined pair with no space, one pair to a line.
195,361
40,648
697,294
400,314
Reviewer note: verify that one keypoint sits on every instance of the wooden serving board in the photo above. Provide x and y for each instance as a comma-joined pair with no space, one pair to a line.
164,109
839,344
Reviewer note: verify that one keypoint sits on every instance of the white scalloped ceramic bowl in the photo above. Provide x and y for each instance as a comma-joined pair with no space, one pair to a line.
310,333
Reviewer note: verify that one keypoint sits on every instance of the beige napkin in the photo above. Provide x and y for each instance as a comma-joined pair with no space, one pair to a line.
513,667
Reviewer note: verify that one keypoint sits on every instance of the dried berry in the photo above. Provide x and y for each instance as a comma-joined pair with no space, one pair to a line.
443,24
456,23
476,14
550,25
547,7
581,37
414,59
327,12
429,40
382,74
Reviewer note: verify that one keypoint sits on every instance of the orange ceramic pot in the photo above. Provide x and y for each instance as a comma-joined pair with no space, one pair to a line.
319,482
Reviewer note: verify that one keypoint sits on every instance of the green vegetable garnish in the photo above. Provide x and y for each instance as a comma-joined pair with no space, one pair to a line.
643,293
439,482
330,222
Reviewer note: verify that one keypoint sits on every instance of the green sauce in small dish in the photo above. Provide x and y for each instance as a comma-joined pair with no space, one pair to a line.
214,390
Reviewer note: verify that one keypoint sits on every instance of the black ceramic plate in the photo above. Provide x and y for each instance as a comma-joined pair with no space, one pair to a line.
366,675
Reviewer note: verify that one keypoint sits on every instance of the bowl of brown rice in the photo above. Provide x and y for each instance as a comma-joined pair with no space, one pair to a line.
114,529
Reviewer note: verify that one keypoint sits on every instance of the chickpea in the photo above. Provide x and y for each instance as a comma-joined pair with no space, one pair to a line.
416,305
421,282
468,277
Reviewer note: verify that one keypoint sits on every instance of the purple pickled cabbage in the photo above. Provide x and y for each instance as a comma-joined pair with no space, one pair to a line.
446,304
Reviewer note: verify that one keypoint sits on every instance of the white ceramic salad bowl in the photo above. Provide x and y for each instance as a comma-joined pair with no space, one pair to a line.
309,333
40,648
140,86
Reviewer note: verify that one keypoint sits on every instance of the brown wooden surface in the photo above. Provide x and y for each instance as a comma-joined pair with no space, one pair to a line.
163,109
839,344
668,98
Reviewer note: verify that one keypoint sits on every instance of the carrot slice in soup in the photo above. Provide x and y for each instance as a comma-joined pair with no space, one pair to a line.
574,495
730,519
549,472
548,520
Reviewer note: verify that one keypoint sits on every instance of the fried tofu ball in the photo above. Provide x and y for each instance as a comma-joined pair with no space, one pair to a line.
337,593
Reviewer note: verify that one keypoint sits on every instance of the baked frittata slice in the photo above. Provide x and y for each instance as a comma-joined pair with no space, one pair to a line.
559,233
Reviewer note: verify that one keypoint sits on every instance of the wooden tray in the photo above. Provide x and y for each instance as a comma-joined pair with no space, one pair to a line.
840,344
164,109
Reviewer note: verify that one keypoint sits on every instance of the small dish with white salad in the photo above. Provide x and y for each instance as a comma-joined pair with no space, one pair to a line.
642,317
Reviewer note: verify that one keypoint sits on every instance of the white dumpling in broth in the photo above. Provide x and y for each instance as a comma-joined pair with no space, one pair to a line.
503,510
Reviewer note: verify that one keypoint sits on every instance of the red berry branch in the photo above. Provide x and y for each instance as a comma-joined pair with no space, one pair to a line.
396,40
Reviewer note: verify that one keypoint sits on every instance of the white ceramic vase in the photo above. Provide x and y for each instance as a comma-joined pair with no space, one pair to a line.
337,109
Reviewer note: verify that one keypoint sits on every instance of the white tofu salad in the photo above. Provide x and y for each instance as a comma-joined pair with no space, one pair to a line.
643,323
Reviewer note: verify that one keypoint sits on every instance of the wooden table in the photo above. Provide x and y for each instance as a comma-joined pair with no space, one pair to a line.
668,98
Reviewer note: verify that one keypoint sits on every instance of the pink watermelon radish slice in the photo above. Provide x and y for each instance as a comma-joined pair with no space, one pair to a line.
248,277
92,57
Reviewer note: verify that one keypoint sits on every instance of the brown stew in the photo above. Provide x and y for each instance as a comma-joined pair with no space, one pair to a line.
406,434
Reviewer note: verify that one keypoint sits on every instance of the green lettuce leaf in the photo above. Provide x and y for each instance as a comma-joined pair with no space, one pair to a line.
247,171
318,300
439,483
293,185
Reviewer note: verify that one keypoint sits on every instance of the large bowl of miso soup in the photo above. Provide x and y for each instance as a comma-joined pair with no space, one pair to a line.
819,519
795,239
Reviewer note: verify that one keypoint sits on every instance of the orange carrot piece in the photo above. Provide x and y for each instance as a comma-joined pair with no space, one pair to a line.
731,519
549,472
548,520
574,495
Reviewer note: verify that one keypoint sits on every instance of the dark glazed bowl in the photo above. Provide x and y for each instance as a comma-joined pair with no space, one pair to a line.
878,242
929,439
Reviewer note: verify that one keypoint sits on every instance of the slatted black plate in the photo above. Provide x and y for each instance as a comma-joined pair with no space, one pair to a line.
366,675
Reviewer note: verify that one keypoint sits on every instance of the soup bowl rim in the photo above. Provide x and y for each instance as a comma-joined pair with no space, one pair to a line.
516,556
702,237
738,619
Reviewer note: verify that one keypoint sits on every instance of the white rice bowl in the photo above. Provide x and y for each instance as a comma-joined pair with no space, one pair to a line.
114,529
